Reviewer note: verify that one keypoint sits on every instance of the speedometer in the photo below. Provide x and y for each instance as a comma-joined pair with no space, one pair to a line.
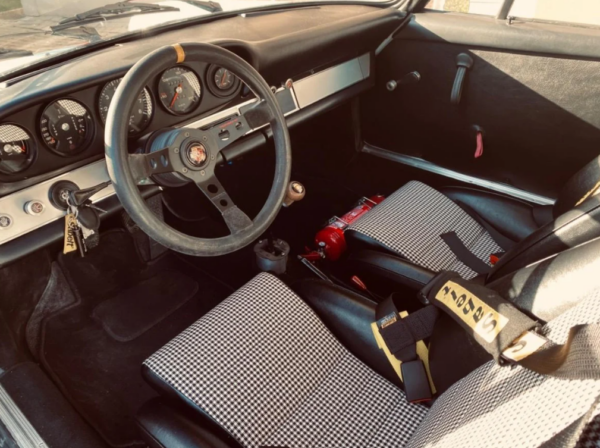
66,127
179,90
141,113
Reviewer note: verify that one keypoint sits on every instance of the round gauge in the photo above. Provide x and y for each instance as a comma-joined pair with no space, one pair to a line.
141,113
223,79
66,127
222,82
179,90
16,149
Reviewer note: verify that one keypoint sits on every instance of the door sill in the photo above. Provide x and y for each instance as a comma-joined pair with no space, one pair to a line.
416,162
17,424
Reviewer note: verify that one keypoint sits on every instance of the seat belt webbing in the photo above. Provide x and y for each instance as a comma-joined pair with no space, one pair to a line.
463,253
493,322
400,335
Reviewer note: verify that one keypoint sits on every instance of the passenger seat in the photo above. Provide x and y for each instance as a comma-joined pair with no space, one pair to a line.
474,232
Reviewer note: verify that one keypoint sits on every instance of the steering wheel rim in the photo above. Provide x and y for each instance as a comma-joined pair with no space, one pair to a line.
119,161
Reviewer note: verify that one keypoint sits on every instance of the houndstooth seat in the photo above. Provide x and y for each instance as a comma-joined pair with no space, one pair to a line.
264,367
411,221
292,383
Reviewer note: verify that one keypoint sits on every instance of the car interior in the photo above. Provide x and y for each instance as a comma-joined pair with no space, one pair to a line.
271,229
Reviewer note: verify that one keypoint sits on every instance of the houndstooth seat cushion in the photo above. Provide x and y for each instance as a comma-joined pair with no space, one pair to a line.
264,367
410,222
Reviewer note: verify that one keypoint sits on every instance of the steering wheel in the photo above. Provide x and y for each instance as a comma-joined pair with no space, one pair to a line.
192,154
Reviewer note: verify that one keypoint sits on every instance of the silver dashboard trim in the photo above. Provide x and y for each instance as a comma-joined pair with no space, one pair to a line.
17,424
218,116
235,110
313,88
433,168
304,92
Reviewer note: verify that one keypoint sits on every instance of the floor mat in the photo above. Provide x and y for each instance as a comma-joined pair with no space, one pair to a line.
98,374
136,310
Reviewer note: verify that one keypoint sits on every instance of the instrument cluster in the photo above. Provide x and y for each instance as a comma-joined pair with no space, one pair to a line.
73,125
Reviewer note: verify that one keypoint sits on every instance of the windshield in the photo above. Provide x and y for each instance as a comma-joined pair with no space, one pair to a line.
32,30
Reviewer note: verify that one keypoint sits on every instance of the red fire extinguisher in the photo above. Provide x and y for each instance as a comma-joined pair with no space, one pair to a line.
330,240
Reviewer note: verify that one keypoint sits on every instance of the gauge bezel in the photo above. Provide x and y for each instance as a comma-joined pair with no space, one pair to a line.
212,87
152,110
90,135
33,146
172,112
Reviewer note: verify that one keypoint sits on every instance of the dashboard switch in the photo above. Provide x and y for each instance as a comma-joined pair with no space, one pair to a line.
34,208
5,222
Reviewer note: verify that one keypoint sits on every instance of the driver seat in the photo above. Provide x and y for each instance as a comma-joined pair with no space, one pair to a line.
263,370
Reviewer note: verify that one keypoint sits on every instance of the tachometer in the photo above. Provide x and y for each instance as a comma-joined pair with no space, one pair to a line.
66,127
179,90
141,113
16,149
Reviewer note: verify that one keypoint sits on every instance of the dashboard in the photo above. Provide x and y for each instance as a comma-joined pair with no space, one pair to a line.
70,127
52,121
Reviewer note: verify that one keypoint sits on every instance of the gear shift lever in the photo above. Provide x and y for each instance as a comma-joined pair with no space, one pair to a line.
295,192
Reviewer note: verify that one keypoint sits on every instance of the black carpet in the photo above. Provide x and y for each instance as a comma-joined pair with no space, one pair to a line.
136,310
99,374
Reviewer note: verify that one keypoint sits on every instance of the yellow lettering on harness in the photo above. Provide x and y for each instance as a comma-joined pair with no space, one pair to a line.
481,318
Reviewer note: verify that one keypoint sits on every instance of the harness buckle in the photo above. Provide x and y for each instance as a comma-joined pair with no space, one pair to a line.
416,382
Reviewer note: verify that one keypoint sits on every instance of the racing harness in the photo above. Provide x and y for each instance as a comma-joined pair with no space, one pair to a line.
505,332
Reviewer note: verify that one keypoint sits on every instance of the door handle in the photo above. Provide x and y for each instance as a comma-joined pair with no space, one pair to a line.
463,63
409,78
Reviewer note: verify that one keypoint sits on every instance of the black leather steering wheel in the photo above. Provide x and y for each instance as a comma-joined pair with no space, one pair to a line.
192,154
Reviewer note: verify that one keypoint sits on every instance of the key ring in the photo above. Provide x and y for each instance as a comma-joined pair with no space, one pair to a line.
72,209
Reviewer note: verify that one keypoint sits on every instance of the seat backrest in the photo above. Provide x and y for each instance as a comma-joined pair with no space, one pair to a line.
550,287
583,185
576,220
576,226
513,406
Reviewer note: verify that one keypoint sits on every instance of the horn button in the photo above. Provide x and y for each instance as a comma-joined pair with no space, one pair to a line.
195,155
191,151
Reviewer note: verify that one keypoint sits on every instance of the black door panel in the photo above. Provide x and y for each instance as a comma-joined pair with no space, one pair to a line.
540,113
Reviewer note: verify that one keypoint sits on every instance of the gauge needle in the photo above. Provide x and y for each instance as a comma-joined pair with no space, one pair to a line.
177,90
223,78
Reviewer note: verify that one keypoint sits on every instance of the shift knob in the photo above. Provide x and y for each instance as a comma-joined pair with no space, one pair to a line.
295,192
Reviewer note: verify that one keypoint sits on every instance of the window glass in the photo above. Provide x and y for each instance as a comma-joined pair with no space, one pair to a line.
574,11
484,7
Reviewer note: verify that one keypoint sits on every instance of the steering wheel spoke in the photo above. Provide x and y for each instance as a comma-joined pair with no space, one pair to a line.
145,165
236,219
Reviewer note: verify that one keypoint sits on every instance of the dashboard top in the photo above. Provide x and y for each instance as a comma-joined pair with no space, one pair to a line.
280,45
292,43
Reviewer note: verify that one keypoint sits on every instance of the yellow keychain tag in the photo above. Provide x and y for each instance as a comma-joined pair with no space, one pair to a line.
70,226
